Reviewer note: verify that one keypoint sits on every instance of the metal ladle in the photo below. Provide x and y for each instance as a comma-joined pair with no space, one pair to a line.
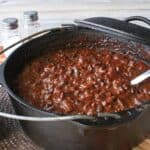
140,78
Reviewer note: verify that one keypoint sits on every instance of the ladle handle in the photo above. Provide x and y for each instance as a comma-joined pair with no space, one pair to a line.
59,118
140,78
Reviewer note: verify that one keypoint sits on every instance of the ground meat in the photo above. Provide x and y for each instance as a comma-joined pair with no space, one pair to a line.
83,81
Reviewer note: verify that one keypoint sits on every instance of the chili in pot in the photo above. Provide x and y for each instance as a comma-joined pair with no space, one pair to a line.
84,81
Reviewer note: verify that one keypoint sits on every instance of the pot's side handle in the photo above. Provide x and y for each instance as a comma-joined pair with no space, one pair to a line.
26,39
57,118
138,18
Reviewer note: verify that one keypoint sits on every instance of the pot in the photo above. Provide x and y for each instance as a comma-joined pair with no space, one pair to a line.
105,133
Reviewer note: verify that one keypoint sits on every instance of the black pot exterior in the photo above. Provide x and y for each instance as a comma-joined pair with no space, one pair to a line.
71,135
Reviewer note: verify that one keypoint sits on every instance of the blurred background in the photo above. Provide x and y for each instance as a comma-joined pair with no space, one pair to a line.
20,18
54,12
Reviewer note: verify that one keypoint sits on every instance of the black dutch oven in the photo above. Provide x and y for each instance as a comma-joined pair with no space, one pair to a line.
105,132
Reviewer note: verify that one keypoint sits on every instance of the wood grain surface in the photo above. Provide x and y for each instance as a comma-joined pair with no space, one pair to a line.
144,145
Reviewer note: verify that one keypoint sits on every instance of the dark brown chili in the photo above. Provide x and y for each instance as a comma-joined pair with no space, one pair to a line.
83,81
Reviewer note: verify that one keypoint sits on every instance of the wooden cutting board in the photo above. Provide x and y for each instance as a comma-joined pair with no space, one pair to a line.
145,145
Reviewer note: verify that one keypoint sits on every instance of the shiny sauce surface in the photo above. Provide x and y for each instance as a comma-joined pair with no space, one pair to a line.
83,81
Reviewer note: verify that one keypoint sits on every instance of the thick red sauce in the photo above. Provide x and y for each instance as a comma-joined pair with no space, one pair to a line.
83,81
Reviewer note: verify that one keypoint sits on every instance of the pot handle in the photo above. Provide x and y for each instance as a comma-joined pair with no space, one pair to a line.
26,39
138,18
57,118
